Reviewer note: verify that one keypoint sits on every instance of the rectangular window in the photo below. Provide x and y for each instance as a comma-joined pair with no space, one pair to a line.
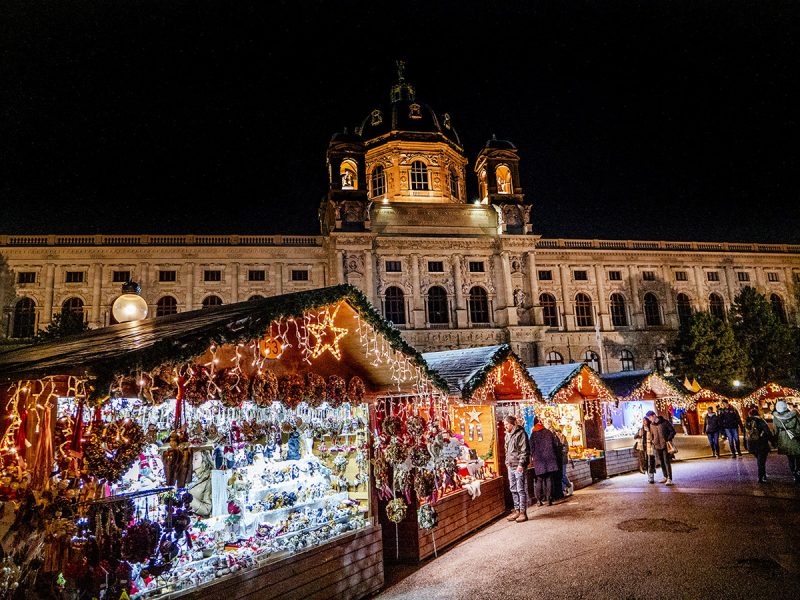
394,266
615,275
772,277
796,277
435,266
212,275
299,274
681,276
167,276
476,266
580,275
742,276
648,275
256,275
713,275
74,277
545,276
26,277
121,276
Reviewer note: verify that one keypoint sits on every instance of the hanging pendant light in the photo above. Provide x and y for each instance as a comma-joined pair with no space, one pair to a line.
130,306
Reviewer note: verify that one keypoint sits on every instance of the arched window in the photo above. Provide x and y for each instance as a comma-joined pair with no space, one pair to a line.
394,306
554,358
619,313
504,185
778,308
626,358
73,306
583,311
652,311
454,193
549,310
254,298
483,190
478,305
660,360
24,318
419,175
438,312
378,181
166,306
716,306
210,301
592,359
349,175
684,306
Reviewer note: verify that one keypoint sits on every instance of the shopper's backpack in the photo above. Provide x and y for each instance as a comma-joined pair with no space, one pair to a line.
753,434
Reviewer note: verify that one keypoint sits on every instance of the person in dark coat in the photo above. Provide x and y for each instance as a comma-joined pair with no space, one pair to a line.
757,439
656,432
711,428
517,467
787,429
731,423
545,451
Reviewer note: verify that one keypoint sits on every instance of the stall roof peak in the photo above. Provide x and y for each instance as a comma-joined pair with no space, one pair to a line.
466,369
146,344
627,384
552,378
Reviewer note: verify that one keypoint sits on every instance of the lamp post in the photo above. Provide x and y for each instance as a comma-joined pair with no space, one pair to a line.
130,306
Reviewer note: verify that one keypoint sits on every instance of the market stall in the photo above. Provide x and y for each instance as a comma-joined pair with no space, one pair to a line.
635,393
215,453
697,407
444,469
765,397
573,394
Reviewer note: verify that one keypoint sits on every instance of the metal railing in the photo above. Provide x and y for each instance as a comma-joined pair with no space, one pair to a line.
664,245
160,240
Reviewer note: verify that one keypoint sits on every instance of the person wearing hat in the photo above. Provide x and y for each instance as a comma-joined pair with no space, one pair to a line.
656,432
787,427
757,440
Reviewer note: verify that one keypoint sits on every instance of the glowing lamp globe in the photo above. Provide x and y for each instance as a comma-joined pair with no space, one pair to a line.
130,306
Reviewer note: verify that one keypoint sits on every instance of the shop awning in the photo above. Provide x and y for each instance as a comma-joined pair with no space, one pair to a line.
569,383
467,370
643,385
770,391
147,344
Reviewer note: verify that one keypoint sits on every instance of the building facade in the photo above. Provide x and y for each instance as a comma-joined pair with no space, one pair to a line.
450,273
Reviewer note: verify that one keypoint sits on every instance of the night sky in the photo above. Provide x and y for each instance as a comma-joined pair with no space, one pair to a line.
650,120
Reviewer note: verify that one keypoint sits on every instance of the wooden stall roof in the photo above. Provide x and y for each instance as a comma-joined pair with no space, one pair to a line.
146,344
466,369
555,380
771,391
705,395
642,385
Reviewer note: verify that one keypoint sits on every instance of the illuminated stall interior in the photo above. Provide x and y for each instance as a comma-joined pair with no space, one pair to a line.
189,448
635,393
765,397
697,407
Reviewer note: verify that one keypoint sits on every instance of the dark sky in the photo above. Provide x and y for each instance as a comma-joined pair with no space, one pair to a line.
650,120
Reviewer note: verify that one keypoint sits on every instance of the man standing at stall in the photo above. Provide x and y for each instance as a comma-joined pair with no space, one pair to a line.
731,423
711,429
517,466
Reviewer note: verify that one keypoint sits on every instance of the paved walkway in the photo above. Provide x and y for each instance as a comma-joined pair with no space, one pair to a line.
715,534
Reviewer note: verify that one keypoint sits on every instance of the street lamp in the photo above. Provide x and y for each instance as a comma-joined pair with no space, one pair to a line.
130,306
736,383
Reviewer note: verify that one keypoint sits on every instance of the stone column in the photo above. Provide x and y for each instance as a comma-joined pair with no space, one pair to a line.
461,307
233,271
761,284
508,287
278,279
533,282
49,280
417,307
339,258
702,300
369,278
189,285
637,320
730,281
603,314
567,314
670,312
97,284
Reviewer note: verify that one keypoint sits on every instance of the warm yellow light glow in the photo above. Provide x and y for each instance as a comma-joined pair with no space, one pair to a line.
129,307
325,327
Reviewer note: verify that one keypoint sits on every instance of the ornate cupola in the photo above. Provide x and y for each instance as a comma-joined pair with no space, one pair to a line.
413,154
346,207
497,168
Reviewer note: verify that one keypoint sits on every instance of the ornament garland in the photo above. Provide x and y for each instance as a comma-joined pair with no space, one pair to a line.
112,449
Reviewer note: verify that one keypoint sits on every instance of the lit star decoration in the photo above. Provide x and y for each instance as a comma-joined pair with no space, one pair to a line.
474,415
326,328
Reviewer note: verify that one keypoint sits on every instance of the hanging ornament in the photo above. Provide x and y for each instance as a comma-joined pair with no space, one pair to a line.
392,426
396,510
197,386
427,517
316,389
234,387
265,387
415,426
291,389
336,391
355,390
113,448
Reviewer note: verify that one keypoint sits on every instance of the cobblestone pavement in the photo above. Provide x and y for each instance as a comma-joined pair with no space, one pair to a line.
716,533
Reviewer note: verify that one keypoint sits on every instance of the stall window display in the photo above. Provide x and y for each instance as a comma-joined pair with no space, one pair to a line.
569,418
623,419
475,425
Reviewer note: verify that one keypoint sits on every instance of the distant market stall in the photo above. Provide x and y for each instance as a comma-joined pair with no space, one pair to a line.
637,392
468,487
573,394
215,453
765,397
697,408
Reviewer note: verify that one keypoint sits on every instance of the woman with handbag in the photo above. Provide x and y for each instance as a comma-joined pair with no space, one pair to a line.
787,427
